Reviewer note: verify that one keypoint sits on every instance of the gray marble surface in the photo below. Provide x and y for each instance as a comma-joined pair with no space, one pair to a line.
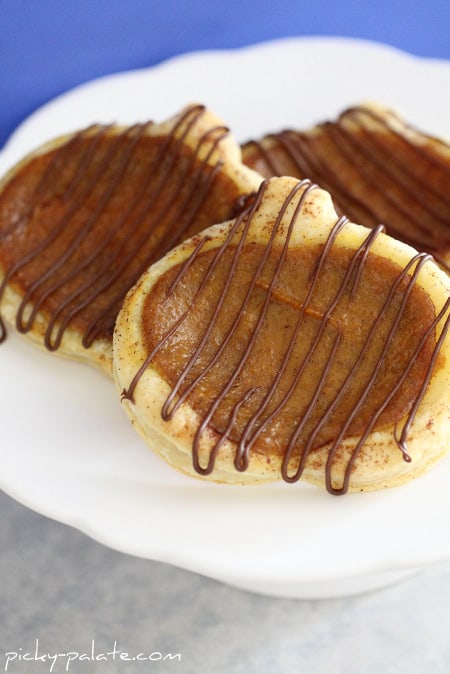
68,603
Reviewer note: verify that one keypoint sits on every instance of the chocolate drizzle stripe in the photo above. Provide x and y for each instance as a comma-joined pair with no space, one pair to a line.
166,414
304,419
261,151
185,214
330,180
52,236
50,342
61,152
245,216
358,210
401,442
240,461
185,267
421,152
226,433
399,170
195,198
34,252
362,254
244,447
84,162
311,163
109,262
76,241
357,264
414,209
349,146
420,259
359,359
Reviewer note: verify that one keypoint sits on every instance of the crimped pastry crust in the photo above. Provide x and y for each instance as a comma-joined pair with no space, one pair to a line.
379,462
189,181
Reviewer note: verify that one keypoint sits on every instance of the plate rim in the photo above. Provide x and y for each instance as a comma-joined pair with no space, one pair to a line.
172,62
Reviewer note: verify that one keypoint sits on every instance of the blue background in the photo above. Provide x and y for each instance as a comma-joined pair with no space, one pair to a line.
49,46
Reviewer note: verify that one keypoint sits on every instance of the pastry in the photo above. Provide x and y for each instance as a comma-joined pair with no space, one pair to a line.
289,342
83,216
378,169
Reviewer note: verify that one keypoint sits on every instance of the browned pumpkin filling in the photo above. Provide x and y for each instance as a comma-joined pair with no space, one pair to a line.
79,224
282,357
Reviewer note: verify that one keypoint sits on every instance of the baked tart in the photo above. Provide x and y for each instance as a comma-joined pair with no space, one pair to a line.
378,169
84,215
290,343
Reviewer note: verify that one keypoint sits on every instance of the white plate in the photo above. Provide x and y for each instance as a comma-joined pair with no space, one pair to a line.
67,449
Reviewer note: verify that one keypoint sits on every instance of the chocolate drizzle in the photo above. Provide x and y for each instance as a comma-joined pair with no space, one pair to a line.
247,416
80,223
374,171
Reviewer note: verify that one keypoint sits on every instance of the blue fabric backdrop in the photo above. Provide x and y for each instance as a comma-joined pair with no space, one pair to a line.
49,46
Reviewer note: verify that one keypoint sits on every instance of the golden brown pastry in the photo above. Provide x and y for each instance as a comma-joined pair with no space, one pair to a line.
287,343
83,216
378,169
